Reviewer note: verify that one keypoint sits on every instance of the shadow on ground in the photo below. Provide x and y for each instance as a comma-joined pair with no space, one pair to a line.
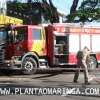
4,72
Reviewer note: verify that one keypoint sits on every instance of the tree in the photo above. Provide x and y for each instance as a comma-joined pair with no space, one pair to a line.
29,1
32,12
15,1
54,13
88,11
74,6
89,4
71,16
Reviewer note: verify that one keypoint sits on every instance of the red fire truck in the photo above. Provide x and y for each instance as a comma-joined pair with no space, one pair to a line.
32,47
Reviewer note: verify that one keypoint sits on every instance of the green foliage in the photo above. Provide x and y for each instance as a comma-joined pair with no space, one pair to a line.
31,13
88,11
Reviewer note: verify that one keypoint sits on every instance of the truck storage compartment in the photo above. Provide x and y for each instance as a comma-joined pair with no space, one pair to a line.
60,50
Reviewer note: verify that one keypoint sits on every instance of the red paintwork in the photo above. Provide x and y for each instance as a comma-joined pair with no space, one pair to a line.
72,59
9,52
98,56
26,45
30,42
49,40
74,29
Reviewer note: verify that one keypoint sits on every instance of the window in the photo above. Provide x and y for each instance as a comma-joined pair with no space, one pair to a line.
3,35
36,34
20,33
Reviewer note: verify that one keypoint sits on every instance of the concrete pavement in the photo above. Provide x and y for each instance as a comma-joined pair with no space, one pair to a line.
55,80
47,98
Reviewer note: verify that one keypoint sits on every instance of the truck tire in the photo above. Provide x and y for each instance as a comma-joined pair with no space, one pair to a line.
92,63
29,66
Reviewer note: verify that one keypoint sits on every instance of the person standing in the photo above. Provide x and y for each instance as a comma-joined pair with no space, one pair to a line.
82,58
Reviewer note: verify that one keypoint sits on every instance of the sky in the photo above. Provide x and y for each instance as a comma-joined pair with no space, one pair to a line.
64,5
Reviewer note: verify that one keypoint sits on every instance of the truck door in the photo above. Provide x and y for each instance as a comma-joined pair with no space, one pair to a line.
17,43
38,41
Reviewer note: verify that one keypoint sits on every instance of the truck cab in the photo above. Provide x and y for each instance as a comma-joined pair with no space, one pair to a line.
26,47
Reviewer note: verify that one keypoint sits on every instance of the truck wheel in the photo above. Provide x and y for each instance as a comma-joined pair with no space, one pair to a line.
29,66
92,63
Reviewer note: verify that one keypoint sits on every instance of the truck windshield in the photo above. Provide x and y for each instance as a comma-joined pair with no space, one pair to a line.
18,34
3,35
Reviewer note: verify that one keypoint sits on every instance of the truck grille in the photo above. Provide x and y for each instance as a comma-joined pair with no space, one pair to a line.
2,53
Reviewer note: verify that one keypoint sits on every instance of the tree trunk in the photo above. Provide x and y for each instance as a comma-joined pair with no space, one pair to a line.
51,4
29,1
54,13
74,6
